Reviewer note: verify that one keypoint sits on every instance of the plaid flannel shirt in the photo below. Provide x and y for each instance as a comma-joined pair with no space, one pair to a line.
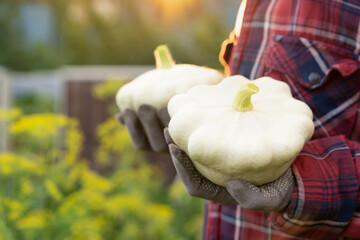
313,45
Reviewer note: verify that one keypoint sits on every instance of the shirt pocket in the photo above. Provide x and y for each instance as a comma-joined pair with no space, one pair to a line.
323,75
310,63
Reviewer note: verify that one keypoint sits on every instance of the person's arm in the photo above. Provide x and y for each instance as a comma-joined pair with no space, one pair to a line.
326,192
326,196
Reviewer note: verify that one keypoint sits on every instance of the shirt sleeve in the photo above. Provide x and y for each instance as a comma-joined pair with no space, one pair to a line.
325,200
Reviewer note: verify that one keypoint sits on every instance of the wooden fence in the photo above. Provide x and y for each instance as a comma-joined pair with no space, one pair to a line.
79,82
80,103
72,88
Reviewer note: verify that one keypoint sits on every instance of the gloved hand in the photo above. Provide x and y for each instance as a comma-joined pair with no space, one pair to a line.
145,127
273,196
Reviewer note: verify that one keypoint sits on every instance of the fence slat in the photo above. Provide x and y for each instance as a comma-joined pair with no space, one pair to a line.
88,110
4,104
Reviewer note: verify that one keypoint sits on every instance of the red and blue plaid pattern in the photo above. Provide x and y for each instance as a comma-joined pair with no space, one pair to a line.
314,46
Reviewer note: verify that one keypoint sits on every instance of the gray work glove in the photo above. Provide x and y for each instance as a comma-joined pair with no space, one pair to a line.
146,126
273,196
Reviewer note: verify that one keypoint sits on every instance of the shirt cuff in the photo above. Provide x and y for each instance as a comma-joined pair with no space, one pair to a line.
326,190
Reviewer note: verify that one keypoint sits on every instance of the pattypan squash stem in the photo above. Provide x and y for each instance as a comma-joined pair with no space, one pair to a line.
163,57
242,101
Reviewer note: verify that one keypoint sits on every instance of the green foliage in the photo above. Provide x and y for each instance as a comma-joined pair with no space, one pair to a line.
108,88
17,54
48,192
126,33
35,103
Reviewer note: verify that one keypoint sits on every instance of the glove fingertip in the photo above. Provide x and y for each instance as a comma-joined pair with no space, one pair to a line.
175,150
145,110
180,156
234,186
238,187
168,138
164,116
119,116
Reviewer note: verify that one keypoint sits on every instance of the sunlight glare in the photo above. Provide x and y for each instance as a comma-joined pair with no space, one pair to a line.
174,10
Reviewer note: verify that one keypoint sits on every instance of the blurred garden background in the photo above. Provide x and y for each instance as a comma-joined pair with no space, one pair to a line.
67,167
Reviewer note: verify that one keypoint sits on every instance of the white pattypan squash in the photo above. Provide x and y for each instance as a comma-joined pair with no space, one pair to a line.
240,129
157,86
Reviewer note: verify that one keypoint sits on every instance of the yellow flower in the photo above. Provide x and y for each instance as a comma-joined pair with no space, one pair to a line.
93,199
87,229
15,208
113,136
74,142
40,125
121,203
9,114
10,162
81,202
35,219
160,212
26,187
29,166
40,129
6,169
91,180
6,162
53,190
